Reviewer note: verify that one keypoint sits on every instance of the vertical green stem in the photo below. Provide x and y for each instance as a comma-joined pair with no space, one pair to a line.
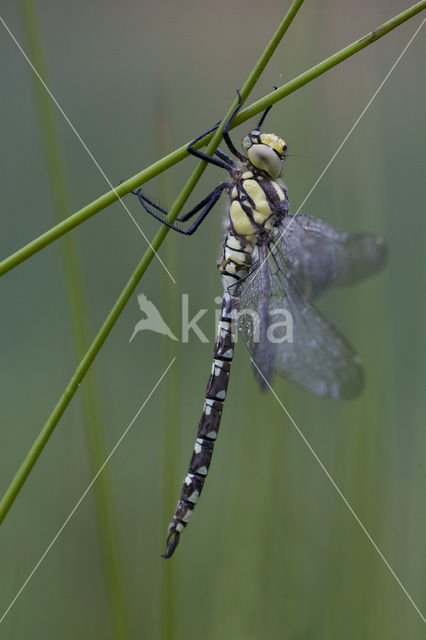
80,326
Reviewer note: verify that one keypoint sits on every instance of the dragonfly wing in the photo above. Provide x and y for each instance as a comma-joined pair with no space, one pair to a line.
254,318
318,256
292,337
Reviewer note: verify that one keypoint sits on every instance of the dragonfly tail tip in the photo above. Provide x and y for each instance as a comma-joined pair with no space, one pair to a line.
172,543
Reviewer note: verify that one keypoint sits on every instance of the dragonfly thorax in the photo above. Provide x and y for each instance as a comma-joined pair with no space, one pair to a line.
257,205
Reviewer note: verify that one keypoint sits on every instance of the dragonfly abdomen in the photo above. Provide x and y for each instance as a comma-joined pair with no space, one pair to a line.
208,426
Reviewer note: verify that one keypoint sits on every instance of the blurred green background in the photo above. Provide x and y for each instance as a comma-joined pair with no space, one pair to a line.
272,551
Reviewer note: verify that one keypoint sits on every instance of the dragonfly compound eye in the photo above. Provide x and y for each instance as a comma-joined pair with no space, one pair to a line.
263,157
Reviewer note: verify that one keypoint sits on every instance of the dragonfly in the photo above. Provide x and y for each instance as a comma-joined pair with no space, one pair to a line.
271,262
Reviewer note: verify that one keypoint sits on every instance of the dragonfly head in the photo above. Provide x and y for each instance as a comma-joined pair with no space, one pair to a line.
265,151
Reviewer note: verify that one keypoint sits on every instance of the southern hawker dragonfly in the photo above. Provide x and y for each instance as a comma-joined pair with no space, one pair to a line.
270,260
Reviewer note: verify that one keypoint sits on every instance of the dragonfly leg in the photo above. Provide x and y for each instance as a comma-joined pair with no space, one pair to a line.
226,162
204,156
224,157
265,113
205,206
226,135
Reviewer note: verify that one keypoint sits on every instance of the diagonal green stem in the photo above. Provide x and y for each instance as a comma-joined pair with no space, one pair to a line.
47,430
327,64
179,154
78,310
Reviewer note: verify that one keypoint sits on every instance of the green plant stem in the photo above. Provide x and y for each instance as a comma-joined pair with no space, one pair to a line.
179,154
45,433
327,64
80,326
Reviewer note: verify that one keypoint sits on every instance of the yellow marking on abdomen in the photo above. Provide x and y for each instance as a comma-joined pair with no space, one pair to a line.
238,257
233,243
230,267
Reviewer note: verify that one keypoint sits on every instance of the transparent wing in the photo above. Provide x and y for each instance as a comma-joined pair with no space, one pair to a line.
286,334
317,256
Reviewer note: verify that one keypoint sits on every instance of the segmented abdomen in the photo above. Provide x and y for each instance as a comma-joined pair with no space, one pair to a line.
208,426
